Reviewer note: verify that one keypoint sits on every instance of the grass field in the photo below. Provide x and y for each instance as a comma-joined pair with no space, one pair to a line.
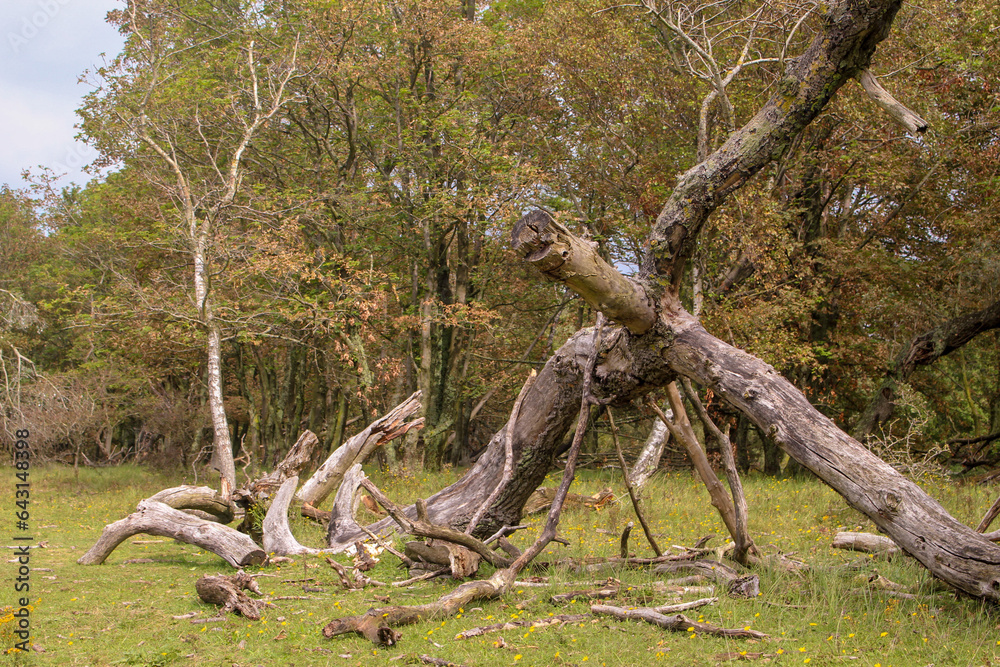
123,614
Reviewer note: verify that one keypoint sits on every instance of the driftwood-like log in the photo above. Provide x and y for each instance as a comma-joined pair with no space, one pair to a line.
865,542
741,586
293,463
198,498
329,475
675,622
560,255
341,516
913,123
649,457
278,538
155,518
227,592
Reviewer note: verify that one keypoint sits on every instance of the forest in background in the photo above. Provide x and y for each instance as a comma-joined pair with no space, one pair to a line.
327,189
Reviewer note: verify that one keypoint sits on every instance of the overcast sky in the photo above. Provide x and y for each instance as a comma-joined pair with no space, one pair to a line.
45,45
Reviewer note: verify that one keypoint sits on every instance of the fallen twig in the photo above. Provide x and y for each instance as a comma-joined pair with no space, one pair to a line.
676,622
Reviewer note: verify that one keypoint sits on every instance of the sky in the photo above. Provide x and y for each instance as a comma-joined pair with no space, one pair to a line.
45,45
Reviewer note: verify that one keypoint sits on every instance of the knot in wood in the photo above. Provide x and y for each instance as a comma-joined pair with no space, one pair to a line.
890,503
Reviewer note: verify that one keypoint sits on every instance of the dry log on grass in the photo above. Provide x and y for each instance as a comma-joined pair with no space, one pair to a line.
227,592
866,542
461,562
377,625
154,518
199,499
675,622
329,475
421,527
541,500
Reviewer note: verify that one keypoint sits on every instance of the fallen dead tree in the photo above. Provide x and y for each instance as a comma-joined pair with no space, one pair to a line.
154,518
378,625
195,515
328,476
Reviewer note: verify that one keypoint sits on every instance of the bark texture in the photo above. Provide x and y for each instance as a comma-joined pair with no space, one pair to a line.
842,47
328,476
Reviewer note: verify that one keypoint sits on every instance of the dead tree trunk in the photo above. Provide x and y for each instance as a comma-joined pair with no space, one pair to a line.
660,339
154,518
649,458
327,478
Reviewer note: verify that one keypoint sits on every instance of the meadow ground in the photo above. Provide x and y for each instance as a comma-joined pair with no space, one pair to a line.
124,613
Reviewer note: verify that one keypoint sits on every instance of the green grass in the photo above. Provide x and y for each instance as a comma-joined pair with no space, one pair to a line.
122,614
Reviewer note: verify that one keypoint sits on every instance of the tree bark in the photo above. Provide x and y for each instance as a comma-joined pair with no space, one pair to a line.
198,498
154,518
915,521
329,475
652,450
923,350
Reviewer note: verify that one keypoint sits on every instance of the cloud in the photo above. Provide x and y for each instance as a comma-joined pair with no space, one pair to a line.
45,45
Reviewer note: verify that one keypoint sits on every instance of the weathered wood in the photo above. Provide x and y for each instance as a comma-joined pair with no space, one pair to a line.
227,592
357,449
912,519
652,451
200,498
556,252
744,586
291,466
745,548
377,625
341,516
423,528
155,518
865,542
675,622
278,538
842,46
681,431
884,99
